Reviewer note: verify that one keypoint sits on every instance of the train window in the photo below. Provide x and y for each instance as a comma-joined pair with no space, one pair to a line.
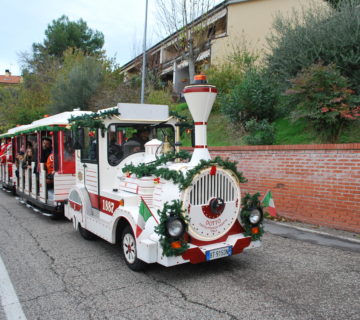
165,133
69,151
89,145
126,140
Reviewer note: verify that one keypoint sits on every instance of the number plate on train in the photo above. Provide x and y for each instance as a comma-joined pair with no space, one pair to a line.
218,253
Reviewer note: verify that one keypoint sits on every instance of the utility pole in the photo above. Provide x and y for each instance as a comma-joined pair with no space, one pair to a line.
144,57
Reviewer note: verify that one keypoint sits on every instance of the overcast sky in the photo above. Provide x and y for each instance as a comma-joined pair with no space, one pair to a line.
24,22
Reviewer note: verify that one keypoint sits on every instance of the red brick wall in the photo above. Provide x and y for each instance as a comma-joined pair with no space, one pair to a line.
318,184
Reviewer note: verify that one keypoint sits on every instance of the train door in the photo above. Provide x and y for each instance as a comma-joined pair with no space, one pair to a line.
64,163
28,162
20,152
89,164
35,165
45,184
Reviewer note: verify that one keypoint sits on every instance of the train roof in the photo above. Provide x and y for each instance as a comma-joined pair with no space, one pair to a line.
128,112
46,123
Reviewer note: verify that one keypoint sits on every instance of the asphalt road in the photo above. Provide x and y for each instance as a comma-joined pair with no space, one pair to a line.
58,275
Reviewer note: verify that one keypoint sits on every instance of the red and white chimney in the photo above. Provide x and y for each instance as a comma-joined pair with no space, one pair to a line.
200,98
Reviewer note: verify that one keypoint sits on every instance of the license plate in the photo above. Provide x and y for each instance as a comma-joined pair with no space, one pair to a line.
218,253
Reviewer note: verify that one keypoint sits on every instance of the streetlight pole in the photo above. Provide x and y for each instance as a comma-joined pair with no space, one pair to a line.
144,57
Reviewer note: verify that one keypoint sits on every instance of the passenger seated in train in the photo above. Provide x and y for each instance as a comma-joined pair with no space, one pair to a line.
142,136
46,149
131,147
28,158
26,164
49,167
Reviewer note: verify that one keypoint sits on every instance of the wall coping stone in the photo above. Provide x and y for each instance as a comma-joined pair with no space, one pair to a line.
345,146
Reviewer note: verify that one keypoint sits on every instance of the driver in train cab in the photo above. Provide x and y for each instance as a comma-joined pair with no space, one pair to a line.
142,136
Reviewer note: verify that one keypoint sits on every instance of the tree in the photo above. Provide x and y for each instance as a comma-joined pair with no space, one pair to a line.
180,16
335,3
76,83
63,34
321,95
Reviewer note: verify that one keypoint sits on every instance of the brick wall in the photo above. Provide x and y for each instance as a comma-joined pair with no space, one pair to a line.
318,184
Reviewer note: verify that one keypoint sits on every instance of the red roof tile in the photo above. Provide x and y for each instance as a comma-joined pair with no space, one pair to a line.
10,79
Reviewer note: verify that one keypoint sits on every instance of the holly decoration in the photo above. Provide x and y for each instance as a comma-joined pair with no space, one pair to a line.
175,210
248,203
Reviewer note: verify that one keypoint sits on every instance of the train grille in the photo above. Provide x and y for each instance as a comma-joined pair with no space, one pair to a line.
207,187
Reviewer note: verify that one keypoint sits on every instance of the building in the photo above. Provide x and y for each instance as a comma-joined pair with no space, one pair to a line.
230,24
8,80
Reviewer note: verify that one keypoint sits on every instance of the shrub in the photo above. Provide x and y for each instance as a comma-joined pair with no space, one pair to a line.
322,96
260,133
318,33
254,97
230,73
159,97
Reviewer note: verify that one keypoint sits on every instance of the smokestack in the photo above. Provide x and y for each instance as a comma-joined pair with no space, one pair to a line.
200,98
7,73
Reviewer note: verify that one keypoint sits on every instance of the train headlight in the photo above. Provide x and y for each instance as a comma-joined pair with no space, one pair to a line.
255,216
175,227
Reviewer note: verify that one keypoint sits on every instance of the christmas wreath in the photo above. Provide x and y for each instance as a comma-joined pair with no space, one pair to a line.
248,203
171,246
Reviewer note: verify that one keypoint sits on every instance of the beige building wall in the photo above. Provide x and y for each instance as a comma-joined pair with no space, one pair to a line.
249,23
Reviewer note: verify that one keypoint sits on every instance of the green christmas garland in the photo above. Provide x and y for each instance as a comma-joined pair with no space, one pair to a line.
184,181
174,209
249,202
55,128
93,121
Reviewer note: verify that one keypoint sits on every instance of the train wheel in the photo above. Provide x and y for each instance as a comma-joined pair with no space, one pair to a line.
86,234
129,250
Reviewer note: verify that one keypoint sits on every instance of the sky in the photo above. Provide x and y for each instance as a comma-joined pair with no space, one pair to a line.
24,22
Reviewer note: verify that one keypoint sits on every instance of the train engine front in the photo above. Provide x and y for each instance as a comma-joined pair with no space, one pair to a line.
197,212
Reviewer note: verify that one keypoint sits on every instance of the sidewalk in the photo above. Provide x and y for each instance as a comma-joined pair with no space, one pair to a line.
315,234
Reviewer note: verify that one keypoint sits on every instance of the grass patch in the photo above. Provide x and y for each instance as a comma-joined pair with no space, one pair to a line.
222,133
288,132
351,134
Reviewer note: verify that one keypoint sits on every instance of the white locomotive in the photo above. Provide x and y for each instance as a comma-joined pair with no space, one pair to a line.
159,207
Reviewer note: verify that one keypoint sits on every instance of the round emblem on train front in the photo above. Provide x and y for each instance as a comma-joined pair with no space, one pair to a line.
214,209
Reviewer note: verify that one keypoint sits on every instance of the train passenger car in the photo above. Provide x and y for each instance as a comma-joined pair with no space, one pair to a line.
159,206
43,161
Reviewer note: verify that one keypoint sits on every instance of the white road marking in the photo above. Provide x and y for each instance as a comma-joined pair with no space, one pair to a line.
8,297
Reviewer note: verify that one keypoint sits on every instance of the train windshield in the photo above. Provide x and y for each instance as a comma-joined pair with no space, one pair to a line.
124,140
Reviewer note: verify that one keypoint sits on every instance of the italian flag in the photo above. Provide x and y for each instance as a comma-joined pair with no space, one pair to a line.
144,215
268,202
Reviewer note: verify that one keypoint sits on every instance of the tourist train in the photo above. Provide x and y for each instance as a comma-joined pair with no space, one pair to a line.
118,174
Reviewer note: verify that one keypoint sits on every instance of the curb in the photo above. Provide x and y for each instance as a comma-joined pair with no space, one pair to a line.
322,233
312,236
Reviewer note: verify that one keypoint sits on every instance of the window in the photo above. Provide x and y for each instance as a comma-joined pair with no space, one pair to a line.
89,145
69,153
124,141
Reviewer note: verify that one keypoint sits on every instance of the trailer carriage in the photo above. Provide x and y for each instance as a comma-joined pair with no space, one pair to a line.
31,182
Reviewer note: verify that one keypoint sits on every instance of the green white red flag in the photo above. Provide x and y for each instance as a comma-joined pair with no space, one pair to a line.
268,204
144,215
